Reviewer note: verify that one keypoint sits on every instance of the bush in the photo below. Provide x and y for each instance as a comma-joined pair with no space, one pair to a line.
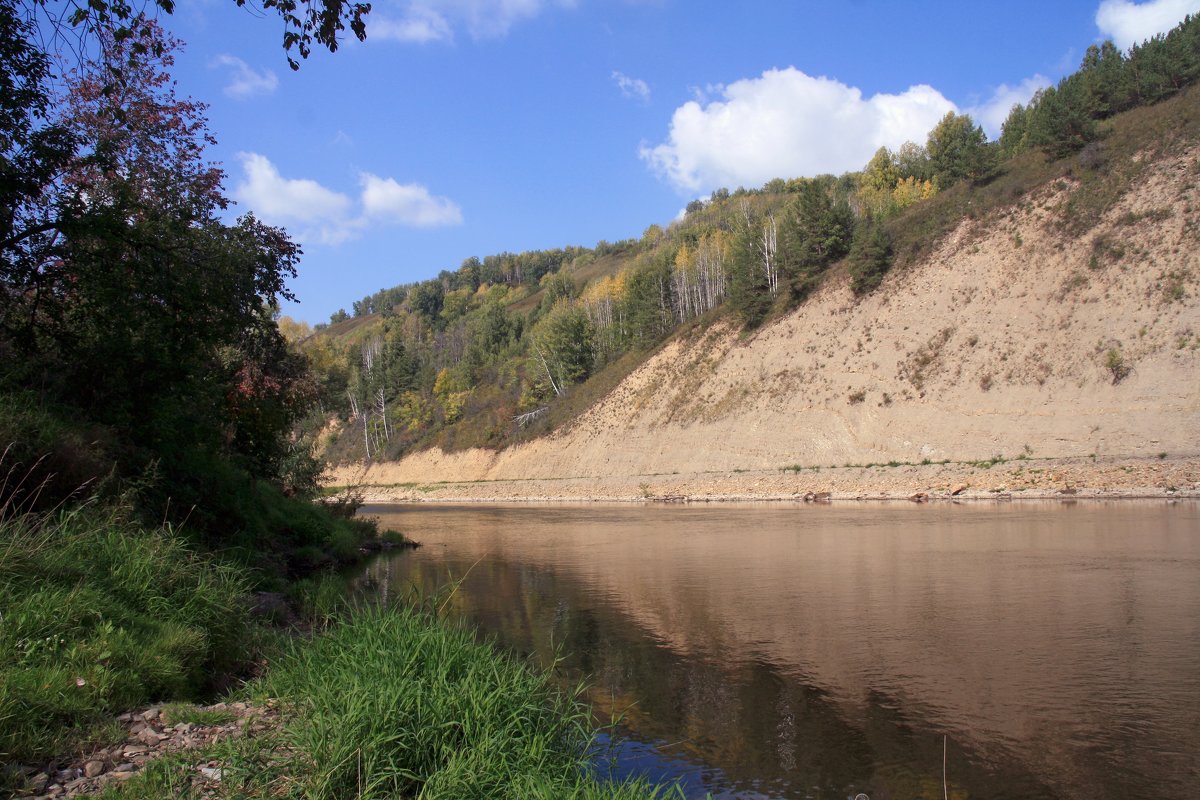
1115,363
221,508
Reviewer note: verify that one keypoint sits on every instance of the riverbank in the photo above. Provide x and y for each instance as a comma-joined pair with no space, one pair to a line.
1020,478
385,703
102,615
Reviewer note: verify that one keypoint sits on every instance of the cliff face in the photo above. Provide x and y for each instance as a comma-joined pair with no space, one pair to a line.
1012,338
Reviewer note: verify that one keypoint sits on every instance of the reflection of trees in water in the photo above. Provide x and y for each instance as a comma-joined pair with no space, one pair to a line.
761,726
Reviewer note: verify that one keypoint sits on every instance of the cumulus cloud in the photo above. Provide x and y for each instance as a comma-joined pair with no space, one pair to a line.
632,87
296,199
418,26
406,203
244,80
992,114
314,211
1128,23
785,124
422,21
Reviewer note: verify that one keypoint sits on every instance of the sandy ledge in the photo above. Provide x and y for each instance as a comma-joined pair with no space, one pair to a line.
1033,479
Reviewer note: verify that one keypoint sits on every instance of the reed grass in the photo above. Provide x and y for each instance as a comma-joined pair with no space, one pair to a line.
396,703
400,704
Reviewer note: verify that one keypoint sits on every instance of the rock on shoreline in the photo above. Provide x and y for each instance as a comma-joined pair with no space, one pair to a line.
149,734
999,479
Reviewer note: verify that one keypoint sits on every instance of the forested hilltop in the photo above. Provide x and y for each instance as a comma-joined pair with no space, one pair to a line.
506,348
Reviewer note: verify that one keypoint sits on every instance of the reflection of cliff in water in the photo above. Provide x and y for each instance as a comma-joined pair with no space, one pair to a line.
831,648
754,727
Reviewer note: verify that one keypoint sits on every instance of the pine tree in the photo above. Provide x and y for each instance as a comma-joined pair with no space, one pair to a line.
815,231
870,256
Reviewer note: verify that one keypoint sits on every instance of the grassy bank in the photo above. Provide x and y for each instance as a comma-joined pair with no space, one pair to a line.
126,581
100,614
394,704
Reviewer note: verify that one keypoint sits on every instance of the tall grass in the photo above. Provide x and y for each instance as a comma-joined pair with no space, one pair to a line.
48,455
394,703
98,615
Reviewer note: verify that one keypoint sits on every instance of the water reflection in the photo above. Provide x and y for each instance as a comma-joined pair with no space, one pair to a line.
801,652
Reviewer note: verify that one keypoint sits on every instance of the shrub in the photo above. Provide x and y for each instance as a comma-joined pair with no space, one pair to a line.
1115,363
45,456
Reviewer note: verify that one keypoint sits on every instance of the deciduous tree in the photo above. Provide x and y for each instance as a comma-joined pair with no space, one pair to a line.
958,150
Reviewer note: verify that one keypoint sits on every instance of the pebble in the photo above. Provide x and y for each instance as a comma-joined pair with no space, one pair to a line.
149,736
145,741
212,773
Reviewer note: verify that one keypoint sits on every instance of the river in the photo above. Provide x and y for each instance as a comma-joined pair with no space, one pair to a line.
1006,650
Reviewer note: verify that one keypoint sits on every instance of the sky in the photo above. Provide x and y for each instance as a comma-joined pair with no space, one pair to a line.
469,127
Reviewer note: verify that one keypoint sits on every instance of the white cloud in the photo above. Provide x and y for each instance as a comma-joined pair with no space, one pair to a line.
787,124
418,26
992,114
406,203
313,211
1128,23
244,80
632,87
294,199
422,21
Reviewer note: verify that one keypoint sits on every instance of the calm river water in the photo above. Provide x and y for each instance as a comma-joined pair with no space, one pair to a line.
822,651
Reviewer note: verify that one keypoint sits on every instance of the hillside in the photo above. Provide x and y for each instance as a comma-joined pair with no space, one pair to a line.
1017,337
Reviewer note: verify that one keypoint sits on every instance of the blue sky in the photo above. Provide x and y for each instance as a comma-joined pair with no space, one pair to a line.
464,127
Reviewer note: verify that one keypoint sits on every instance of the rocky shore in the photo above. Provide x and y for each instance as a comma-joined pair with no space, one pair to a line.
151,733
1020,478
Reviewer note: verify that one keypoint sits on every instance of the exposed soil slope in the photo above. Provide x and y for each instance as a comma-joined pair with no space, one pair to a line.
1011,340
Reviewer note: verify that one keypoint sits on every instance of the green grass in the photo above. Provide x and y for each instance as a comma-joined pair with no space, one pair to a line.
48,455
398,704
177,713
99,616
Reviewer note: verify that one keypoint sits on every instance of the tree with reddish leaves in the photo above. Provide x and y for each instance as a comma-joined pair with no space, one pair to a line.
128,295
138,135
305,22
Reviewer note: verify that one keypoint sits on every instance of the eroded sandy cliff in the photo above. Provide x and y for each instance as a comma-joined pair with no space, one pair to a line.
1010,340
